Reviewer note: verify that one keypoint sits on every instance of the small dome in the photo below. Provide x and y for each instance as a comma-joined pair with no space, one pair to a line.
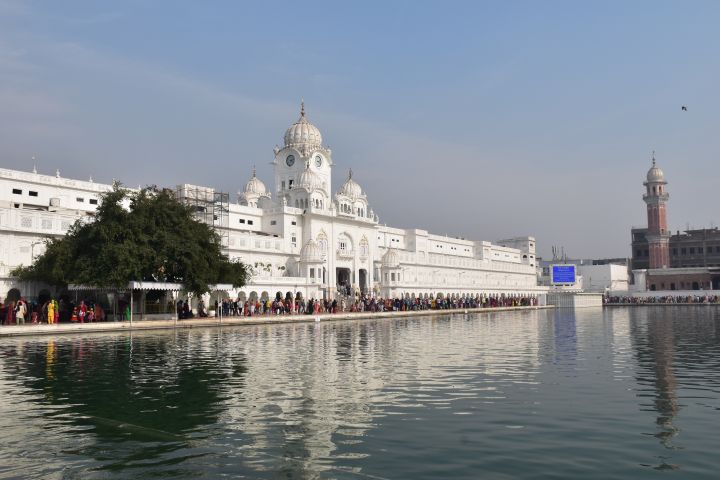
255,185
308,180
302,132
655,174
351,188
391,259
311,252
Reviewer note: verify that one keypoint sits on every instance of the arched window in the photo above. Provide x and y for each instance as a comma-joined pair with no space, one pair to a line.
344,244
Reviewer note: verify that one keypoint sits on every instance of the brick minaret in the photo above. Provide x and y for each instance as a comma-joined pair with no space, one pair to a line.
656,199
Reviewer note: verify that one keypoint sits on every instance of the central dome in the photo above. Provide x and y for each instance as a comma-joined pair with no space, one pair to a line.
302,132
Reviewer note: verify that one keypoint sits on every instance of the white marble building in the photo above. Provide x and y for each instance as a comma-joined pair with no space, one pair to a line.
297,237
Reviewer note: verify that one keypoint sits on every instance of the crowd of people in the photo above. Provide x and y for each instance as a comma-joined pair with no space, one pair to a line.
298,306
50,311
63,310
672,299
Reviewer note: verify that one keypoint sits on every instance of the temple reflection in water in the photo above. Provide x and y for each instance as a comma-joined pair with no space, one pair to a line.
373,397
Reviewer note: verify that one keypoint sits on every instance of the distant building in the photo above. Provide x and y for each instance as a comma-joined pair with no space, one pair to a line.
691,248
593,275
663,261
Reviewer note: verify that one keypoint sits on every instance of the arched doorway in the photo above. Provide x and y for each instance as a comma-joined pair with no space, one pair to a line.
363,280
343,280
13,295
43,296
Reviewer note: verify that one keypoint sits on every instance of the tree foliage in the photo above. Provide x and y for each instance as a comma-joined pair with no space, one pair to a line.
146,235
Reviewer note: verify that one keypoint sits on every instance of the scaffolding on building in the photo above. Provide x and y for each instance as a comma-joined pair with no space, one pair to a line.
209,207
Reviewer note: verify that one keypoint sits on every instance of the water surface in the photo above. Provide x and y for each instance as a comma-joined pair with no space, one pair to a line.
628,392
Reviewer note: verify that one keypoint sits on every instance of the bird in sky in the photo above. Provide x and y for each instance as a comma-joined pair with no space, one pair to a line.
684,108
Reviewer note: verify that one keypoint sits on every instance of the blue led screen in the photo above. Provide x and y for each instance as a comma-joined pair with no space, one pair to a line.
563,274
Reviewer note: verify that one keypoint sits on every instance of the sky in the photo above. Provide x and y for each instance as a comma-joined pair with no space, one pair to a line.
479,119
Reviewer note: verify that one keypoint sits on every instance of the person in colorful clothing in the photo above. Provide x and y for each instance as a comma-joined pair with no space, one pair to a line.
10,313
20,311
99,313
51,311
82,311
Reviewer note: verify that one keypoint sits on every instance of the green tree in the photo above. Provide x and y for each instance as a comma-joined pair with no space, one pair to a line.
146,235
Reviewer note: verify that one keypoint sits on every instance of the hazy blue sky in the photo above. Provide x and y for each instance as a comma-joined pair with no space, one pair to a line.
476,119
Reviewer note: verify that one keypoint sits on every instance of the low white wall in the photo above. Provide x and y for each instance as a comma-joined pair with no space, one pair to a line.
575,300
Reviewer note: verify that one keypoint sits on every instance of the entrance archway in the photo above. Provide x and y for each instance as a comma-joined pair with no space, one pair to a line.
362,273
43,296
342,276
13,295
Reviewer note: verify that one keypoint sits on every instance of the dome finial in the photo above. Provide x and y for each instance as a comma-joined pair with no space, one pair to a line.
350,174
653,157
302,107
254,175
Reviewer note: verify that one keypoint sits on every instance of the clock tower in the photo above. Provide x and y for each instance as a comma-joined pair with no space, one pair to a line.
658,236
303,166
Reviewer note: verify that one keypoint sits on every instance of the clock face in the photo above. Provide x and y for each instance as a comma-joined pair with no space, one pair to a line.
318,161
290,160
